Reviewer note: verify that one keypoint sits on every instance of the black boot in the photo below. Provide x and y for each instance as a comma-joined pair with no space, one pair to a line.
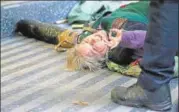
136,96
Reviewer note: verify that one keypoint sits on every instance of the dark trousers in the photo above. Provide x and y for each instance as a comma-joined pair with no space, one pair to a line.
161,44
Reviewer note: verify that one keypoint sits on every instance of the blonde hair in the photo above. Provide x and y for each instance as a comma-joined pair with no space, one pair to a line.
76,61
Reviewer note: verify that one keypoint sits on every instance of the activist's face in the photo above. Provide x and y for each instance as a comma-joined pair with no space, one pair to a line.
94,45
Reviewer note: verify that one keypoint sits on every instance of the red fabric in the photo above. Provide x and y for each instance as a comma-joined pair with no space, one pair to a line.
122,6
136,62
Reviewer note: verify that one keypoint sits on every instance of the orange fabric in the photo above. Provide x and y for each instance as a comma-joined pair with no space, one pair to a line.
67,39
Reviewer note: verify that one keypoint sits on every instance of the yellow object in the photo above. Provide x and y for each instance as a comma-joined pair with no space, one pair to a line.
71,65
77,26
82,103
67,39
89,29
133,71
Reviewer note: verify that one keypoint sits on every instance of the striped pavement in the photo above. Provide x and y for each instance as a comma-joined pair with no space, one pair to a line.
34,79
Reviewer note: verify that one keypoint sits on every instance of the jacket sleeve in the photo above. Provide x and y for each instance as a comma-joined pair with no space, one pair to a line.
133,39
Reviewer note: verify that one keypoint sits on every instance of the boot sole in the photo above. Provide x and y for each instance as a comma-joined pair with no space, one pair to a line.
164,106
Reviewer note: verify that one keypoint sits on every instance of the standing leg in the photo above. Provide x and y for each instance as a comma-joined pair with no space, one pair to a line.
160,46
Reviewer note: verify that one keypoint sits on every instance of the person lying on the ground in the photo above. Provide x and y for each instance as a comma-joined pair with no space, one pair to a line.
56,35
121,53
130,18
92,51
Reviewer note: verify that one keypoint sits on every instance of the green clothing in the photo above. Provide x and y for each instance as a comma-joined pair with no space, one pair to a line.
134,12
133,70
129,70
87,11
84,35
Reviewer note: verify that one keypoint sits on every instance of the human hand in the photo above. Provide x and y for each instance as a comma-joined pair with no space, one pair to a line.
114,41
118,34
